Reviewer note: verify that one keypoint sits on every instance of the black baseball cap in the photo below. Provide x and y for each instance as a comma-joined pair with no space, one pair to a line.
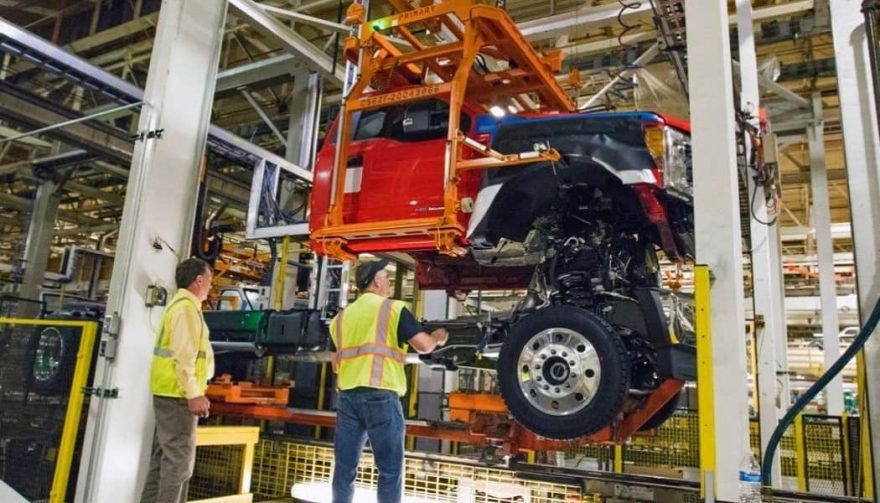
367,271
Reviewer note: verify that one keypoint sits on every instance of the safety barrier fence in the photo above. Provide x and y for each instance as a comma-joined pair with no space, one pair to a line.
46,365
282,465
224,467
819,454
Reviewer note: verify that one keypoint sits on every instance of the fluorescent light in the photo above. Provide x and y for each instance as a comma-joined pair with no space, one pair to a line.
497,111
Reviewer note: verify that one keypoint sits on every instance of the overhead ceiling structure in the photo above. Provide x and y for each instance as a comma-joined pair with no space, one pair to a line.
263,48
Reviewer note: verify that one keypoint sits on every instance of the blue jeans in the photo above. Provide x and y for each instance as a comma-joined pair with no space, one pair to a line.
378,414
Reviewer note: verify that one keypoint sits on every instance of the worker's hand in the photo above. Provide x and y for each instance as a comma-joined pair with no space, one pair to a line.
199,406
441,335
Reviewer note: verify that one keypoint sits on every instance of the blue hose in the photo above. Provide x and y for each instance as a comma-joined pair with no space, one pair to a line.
814,390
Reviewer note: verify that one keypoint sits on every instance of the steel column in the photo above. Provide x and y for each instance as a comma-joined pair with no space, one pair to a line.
305,110
717,228
861,149
825,252
160,208
44,211
766,263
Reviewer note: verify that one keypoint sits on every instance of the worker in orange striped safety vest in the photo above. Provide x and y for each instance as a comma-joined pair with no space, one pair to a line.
371,336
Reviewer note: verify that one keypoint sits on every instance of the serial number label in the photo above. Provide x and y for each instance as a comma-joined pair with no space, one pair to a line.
398,96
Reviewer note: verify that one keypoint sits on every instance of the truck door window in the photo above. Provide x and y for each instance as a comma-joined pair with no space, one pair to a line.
370,124
423,121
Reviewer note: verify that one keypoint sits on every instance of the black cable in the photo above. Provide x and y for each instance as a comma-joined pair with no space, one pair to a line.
337,35
801,403
752,208
624,6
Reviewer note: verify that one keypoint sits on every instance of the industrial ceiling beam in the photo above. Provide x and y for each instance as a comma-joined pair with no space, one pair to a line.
310,20
293,42
24,205
587,16
594,46
259,71
779,90
14,39
36,113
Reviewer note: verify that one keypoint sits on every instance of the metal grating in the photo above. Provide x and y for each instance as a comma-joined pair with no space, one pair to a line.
279,464
823,445
675,444
829,448
217,471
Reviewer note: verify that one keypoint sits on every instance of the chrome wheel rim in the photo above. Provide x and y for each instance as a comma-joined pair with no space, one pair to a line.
559,371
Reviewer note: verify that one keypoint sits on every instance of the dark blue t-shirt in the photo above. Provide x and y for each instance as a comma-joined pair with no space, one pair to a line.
407,326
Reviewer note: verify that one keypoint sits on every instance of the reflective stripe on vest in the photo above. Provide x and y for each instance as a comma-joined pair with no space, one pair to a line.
366,350
381,341
378,350
163,375
166,353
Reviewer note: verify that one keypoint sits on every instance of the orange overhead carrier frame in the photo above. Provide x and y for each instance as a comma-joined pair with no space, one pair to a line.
399,60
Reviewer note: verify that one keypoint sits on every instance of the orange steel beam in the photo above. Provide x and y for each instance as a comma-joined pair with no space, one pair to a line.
420,47
515,437
426,55
328,420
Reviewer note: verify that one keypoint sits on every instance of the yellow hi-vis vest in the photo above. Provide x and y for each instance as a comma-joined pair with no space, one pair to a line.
163,377
368,353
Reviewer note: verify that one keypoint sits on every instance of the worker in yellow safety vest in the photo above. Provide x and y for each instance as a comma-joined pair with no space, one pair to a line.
182,365
371,336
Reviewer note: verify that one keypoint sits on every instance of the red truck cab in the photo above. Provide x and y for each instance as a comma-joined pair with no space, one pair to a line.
395,171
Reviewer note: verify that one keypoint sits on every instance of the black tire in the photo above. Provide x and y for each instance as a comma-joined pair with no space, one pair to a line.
52,359
607,399
665,412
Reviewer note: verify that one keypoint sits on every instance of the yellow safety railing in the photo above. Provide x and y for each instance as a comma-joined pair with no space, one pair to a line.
248,436
73,413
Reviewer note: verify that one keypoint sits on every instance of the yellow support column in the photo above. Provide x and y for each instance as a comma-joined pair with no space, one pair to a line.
618,458
849,483
72,415
705,380
413,401
322,395
800,452
865,471
278,295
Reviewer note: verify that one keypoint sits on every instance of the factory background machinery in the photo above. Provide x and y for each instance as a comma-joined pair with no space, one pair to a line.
692,216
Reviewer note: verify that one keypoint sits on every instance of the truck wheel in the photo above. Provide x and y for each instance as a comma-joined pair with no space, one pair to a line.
563,372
